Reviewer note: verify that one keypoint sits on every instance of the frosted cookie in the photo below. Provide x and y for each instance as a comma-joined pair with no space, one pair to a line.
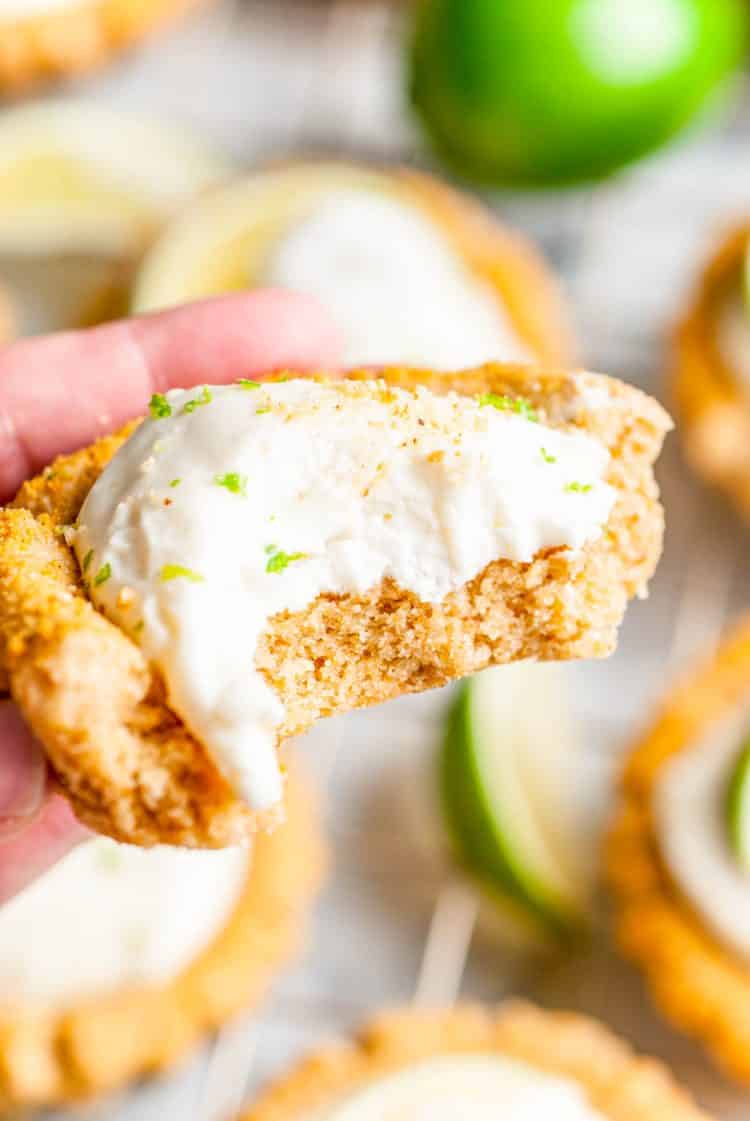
514,1061
119,959
679,855
41,40
711,359
257,557
413,272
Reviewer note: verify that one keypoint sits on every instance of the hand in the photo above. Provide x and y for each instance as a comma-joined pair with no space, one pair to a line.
61,392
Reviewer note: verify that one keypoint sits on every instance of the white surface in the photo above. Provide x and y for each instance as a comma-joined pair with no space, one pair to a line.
262,78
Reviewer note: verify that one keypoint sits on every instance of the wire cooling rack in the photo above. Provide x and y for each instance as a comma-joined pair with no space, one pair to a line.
396,924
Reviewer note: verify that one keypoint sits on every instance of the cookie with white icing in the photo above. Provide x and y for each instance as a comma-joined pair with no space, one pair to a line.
511,1061
675,864
44,40
114,964
413,272
318,545
711,371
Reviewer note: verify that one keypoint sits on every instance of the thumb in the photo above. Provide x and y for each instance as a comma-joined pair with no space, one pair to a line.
31,852
23,773
37,826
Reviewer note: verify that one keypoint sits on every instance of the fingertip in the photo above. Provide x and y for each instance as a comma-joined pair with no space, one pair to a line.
34,850
246,333
23,772
309,324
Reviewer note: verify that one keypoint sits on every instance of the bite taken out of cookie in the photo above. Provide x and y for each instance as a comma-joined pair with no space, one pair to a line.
178,599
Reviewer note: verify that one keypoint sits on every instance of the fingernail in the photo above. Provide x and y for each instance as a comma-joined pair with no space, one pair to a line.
23,773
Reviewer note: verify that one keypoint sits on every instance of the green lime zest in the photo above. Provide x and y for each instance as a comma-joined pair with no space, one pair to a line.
159,407
509,405
205,398
103,574
87,561
179,572
578,488
278,560
547,457
175,482
234,483
248,383
265,409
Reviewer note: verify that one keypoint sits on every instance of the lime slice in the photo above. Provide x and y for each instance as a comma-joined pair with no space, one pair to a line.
555,91
738,808
505,763
77,177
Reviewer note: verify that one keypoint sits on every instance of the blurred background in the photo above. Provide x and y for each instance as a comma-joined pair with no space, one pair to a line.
620,149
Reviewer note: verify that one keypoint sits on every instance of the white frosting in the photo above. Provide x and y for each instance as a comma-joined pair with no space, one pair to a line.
110,916
480,1087
397,289
690,816
354,484
733,336
21,8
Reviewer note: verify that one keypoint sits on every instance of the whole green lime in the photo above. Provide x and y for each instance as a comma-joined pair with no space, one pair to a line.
555,91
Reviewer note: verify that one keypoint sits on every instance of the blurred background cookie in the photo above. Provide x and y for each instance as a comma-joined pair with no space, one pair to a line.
412,271
83,191
712,369
679,855
510,1061
42,40
119,960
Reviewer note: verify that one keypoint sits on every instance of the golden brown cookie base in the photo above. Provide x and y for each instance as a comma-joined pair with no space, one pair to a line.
82,683
53,45
714,409
696,982
619,1084
55,1057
